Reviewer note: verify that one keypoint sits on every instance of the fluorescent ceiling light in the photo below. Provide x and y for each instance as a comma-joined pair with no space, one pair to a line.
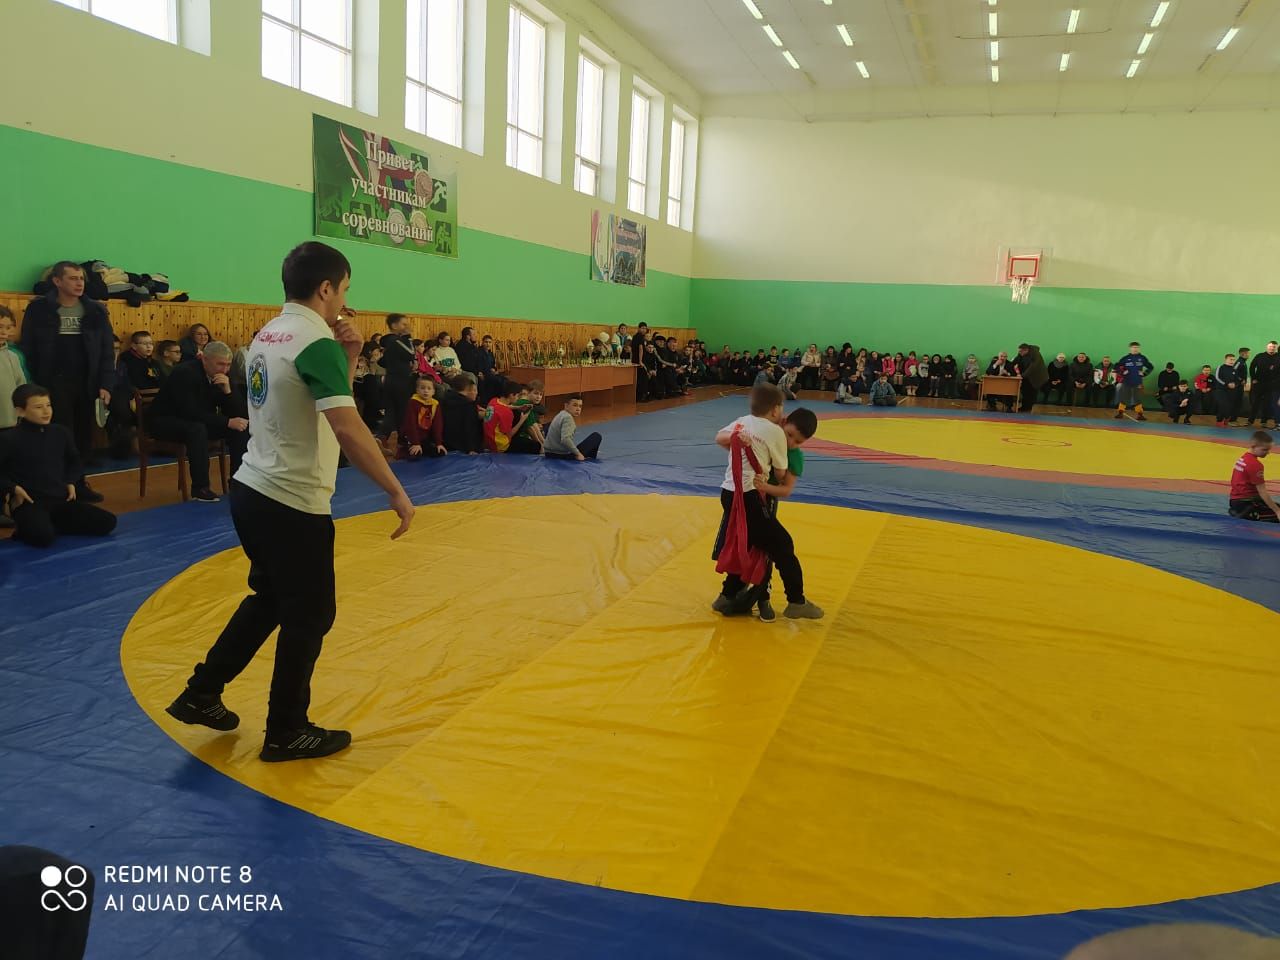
993,23
991,3
1230,35
1146,42
1133,68
755,11
1161,10
827,2
995,50
777,41
862,69
1064,63
1073,21
844,34
791,60
995,74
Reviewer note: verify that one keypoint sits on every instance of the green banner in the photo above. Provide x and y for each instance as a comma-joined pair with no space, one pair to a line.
372,189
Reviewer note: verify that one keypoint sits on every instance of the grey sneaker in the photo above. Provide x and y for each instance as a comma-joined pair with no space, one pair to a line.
721,604
803,611
765,612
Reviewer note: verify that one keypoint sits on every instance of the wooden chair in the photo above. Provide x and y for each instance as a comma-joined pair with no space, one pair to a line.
148,445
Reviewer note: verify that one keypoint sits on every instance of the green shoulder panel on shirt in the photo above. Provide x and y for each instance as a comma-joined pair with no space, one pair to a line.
795,461
323,368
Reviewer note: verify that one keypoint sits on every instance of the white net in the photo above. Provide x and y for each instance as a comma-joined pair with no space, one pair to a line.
1020,287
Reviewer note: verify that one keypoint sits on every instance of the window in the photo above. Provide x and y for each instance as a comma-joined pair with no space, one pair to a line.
675,181
306,44
638,168
156,18
433,88
586,169
526,55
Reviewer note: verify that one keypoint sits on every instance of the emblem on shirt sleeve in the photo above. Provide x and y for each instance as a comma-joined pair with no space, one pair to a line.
257,376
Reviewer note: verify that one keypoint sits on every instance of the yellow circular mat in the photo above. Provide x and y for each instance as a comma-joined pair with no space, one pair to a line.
984,724
1038,446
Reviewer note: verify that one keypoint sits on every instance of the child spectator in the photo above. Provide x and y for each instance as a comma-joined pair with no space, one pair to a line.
891,367
882,393
501,422
39,468
1226,388
969,377
849,391
763,441
1081,381
1178,402
168,356
1130,372
446,357
1250,499
1204,390
913,375
560,443
463,418
529,438
423,429
1167,382
13,369
1104,381
137,365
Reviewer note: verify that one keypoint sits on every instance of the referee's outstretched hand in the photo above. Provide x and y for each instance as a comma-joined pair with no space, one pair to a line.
403,507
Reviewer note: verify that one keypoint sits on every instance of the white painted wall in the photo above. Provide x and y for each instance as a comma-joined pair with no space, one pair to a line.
75,76
1185,201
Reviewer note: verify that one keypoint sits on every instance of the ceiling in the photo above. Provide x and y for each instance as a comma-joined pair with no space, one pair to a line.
932,48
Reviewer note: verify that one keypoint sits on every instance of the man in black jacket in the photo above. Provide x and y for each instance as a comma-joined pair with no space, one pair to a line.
463,419
1265,373
68,342
38,473
196,404
400,363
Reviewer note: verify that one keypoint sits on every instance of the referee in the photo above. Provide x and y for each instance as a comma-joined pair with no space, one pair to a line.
301,413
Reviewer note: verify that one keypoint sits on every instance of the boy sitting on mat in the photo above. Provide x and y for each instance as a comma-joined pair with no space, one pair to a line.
750,537
1250,499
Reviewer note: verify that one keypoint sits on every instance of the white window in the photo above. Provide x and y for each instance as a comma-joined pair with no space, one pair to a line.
586,171
307,44
156,18
433,88
675,180
526,58
638,168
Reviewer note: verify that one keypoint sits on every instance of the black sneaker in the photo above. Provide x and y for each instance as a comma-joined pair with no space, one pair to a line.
205,709
1141,417
306,743
765,612
204,495
86,494
1119,416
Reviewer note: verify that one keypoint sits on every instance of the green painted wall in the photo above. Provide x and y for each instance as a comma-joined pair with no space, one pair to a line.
222,238
1188,328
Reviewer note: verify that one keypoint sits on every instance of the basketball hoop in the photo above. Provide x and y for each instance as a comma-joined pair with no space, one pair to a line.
1020,287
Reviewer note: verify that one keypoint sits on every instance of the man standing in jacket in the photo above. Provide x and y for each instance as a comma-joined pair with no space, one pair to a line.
1265,373
1031,368
67,340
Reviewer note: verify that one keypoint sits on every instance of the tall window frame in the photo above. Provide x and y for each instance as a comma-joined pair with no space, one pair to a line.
526,108
589,144
675,171
114,11
304,45
638,153
433,91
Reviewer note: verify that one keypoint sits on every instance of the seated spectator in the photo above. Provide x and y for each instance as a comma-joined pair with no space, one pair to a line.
422,432
811,368
13,369
195,405
529,437
1001,367
1204,391
1177,403
488,374
850,391
366,387
1167,382
969,377
502,421
1250,499
1081,381
168,355
649,383
882,392
39,468
463,417
137,366
1059,382
949,371
1104,383
193,344
446,358
561,443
